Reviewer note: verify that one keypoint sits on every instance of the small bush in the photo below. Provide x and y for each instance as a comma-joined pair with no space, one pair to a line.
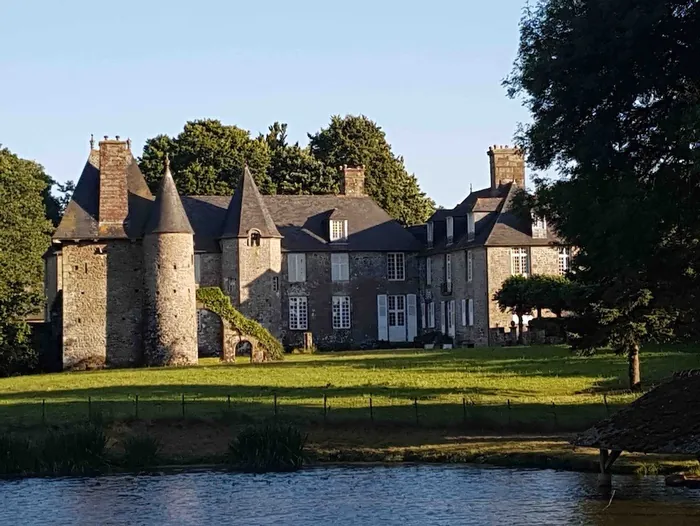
17,455
141,451
270,448
76,451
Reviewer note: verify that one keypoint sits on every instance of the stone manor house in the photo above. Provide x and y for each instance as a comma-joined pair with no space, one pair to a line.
123,269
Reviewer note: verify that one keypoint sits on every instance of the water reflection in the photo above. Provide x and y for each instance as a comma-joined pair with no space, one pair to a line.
405,495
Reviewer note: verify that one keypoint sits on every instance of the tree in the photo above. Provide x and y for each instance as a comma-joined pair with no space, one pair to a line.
554,293
207,158
357,140
55,205
615,101
24,236
515,295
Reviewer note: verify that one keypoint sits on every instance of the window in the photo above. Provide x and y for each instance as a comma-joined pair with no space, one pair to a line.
397,311
428,270
339,230
340,267
470,226
396,266
470,266
519,262
296,267
198,267
450,229
539,227
471,312
254,238
448,268
431,314
298,317
564,260
464,313
423,321
341,312
430,233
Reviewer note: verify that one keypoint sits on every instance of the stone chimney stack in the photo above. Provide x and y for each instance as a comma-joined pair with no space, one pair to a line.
114,206
353,182
507,166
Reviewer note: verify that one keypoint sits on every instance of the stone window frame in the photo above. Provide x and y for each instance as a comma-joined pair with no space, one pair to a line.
396,266
338,230
254,237
298,313
341,312
340,266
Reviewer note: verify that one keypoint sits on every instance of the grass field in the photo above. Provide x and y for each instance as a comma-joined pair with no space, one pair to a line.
506,389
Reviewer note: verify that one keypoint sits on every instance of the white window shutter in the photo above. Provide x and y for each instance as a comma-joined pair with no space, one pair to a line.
464,313
471,312
443,329
301,267
431,314
428,270
382,325
451,321
291,267
412,317
197,268
345,267
422,314
335,264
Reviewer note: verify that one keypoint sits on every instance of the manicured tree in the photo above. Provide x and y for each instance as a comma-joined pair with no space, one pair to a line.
554,293
615,101
515,296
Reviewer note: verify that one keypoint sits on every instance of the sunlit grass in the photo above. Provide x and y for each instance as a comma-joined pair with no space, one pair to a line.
547,385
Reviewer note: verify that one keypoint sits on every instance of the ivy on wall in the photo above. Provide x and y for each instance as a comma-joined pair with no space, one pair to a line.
213,299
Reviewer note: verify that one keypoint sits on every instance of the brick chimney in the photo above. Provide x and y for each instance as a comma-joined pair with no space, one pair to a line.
353,181
507,165
114,205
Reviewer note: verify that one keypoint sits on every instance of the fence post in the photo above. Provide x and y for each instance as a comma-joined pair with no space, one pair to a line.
183,405
228,402
89,408
554,412
136,406
464,410
275,402
325,407
415,405
510,421
371,410
43,411
605,401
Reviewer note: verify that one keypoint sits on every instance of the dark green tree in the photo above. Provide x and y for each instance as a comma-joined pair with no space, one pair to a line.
516,296
615,100
553,293
24,236
56,203
357,140
207,158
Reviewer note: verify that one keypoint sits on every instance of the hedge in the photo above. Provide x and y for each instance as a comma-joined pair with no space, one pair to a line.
216,301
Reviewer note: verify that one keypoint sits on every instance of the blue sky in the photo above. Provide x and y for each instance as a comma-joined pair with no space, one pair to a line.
429,73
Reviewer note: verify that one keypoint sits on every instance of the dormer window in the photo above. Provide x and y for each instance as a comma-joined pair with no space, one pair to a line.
470,226
339,230
430,233
254,238
539,227
450,229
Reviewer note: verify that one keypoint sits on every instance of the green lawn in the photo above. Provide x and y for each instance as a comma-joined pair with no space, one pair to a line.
548,388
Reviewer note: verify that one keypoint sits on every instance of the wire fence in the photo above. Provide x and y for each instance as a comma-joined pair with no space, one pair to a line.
467,414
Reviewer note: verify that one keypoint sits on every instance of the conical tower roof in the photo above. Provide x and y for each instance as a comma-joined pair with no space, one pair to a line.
168,215
247,211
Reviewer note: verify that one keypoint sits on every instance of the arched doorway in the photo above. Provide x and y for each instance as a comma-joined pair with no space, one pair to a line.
244,348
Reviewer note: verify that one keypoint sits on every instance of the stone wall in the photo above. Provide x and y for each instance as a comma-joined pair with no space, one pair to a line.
210,333
368,278
102,304
113,195
210,269
171,317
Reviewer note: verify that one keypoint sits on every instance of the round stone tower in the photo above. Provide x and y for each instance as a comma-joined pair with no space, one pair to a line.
170,303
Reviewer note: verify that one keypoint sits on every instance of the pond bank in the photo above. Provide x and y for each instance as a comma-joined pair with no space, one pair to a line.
203,442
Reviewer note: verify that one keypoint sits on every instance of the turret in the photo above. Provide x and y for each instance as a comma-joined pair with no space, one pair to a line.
171,307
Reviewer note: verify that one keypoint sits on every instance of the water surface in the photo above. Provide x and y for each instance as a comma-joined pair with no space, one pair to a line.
401,495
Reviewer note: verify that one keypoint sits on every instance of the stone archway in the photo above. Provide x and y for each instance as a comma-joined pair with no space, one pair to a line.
244,348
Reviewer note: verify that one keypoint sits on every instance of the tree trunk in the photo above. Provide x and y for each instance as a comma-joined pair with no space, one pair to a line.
520,329
539,312
635,375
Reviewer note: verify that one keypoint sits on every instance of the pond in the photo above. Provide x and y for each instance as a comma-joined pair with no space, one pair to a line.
402,495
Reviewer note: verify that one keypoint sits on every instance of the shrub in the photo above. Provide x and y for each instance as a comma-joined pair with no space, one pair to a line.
17,455
141,451
216,301
76,451
270,448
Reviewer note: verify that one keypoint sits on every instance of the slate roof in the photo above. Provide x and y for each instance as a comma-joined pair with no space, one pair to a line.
247,211
167,213
80,220
664,420
302,221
